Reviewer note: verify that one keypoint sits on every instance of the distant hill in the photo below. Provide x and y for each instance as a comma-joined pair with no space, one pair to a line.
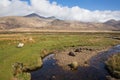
35,22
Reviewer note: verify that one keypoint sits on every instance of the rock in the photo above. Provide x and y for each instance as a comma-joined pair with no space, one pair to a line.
53,78
78,50
86,49
90,50
71,53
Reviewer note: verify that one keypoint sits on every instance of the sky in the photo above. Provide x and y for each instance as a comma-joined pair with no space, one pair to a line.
79,10
91,4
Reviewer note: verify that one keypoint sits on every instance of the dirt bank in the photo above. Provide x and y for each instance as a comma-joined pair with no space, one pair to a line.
63,58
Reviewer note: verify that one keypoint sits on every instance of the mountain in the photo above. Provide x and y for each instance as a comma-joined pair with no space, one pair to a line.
110,22
34,15
114,23
34,22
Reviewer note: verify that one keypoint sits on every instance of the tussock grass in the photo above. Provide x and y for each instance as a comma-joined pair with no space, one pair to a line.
74,65
113,65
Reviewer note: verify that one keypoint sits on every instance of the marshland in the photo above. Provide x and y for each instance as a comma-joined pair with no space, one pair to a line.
23,62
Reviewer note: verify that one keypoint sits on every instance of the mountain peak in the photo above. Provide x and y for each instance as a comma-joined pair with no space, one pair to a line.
38,16
51,17
111,21
34,15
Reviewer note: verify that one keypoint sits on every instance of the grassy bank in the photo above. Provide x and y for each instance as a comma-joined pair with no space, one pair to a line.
113,65
39,45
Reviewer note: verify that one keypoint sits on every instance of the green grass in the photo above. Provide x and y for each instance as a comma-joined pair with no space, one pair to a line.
30,55
113,65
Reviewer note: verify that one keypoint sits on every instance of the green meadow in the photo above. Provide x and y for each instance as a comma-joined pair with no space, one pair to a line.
36,46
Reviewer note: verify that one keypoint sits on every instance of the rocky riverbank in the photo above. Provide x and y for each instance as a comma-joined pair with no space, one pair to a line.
56,67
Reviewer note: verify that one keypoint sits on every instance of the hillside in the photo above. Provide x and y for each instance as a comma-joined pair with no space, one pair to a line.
113,23
35,22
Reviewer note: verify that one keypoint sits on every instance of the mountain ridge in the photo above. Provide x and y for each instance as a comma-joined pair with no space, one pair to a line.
36,22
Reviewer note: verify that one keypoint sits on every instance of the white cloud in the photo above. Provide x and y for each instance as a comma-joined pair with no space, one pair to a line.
14,8
45,8
4,3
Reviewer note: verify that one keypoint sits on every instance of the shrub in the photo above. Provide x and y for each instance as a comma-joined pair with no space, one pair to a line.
17,68
74,65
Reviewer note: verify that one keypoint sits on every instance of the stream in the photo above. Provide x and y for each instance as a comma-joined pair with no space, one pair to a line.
96,70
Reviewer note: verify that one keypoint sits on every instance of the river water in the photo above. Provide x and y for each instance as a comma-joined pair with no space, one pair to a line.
96,70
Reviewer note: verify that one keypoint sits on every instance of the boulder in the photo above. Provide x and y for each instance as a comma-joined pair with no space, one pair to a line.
90,49
78,50
71,53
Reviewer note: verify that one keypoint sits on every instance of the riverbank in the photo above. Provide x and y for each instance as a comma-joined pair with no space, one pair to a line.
90,65
55,67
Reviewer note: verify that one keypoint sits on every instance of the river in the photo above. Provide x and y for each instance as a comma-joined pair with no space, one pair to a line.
95,71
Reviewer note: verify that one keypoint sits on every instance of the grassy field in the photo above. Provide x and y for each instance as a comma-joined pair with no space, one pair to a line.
39,45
